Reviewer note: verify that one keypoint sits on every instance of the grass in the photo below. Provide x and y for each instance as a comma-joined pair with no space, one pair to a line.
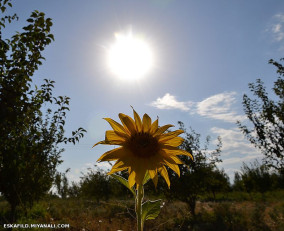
248,212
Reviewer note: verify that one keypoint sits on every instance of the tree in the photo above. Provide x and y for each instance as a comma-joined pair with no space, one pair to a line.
218,181
62,184
238,184
199,176
31,119
267,117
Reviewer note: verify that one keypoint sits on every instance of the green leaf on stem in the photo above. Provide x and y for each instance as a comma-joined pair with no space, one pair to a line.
124,182
150,210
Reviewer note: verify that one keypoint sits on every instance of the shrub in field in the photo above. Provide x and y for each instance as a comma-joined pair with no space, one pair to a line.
257,178
95,185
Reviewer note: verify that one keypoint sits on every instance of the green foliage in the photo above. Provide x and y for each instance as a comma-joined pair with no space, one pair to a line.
95,185
150,210
199,176
124,182
267,118
31,119
74,190
257,178
61,183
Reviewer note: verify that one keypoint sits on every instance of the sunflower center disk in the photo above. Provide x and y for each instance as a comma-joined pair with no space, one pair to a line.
143,145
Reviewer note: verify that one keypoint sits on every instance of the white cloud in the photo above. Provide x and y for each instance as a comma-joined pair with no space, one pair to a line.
103,165
219,106
235,160
169,101
234,142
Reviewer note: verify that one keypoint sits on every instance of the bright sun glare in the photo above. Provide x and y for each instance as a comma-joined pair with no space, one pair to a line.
130,57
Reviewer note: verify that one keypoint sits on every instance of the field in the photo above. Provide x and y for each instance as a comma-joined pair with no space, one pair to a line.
234,212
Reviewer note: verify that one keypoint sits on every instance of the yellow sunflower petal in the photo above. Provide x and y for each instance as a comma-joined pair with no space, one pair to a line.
170,135
146,123
112,155
162,130
117,167
112,142
138,121
101,142
128,123
115,126
165,175
171,161
176,151
131,179
152,173
154,176
174,167
154,126
113,136
155,180
175,142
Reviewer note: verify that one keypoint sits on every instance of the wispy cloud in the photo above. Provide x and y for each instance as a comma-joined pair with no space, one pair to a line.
235,160
219,106
169,101
234,142
276,29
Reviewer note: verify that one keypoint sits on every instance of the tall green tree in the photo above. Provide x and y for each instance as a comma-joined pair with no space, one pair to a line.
266,114
31,119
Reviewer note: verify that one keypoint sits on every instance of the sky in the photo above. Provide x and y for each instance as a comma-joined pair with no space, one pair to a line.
205,53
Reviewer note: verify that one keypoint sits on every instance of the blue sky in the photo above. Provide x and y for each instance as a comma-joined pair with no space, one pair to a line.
206,52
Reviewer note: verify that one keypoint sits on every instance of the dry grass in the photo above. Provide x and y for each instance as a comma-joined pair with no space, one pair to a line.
119,215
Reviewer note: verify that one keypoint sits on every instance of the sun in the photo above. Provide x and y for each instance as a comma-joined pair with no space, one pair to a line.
130,57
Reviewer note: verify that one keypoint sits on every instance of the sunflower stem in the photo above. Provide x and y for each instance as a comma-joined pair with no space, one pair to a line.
138,206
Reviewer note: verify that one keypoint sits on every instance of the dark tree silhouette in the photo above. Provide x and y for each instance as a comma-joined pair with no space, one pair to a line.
267,117
31,119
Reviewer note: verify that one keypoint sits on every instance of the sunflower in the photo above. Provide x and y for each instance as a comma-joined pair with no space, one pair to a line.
144,147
